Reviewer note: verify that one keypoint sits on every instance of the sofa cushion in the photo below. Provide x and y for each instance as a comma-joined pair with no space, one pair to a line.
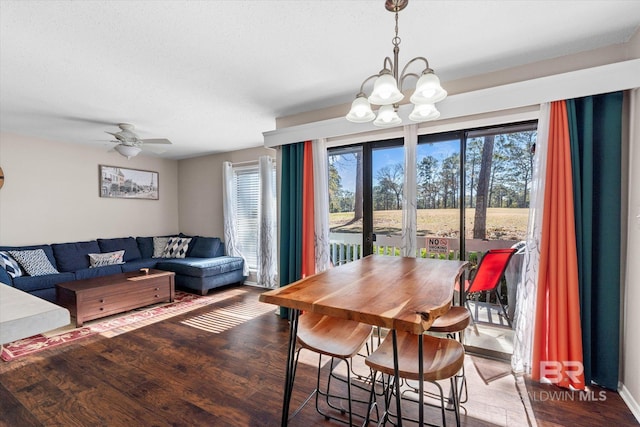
201,267
129,245
89,273
74,256
34,262
138,264
10,265
176,247
32,283
204,247
5,278
108,258
145,244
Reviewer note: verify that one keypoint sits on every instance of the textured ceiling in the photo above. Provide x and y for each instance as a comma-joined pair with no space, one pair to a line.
213,75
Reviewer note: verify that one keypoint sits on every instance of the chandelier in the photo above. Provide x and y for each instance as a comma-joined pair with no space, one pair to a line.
387,88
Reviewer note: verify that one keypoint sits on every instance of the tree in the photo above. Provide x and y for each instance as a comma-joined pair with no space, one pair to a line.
357,209
473,156
480,220
427,169
335,187
450,180
390,180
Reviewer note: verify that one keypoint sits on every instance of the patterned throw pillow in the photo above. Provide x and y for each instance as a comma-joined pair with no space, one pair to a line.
34,262
176,247
159,244
107,258
10,264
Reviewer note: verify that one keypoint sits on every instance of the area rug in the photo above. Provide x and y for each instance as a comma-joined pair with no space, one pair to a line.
491,370
112,325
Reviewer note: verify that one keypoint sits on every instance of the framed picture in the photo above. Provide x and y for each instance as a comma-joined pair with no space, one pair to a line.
123,183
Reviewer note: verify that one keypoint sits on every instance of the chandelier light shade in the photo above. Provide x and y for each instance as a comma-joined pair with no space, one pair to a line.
361,110
385,90
424,112
387,87
128,151
387,117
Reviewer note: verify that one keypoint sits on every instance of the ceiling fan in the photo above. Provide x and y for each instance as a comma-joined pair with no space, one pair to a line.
129,144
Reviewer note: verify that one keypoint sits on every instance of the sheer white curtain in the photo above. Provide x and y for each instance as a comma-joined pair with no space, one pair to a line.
525,306
228,204
409,192
321,204
267,239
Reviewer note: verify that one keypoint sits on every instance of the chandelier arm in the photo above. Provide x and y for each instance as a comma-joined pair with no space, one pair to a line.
387,64
365,82
417,58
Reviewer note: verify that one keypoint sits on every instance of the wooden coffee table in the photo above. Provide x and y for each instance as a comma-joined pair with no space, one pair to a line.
98,297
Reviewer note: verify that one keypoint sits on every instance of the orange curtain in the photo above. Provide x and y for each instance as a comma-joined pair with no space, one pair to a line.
557,342
308,230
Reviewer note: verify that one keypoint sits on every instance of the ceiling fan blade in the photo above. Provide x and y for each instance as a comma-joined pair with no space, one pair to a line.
156,141
153,149
116,135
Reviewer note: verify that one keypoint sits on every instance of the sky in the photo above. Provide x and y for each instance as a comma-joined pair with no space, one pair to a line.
389,156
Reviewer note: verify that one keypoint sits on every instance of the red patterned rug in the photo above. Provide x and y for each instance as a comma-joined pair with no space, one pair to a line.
113,325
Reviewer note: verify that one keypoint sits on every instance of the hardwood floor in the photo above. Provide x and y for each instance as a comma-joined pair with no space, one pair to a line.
232,373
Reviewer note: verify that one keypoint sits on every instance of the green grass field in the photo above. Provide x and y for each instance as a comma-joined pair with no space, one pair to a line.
502,223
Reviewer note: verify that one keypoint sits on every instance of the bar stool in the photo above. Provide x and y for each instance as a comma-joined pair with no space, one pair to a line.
338,339
453,323
442,359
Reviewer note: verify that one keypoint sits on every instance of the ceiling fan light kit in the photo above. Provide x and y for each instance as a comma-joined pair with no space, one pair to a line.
128,151
129,144
387,87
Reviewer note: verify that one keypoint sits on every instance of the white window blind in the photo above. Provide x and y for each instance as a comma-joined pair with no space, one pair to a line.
247,187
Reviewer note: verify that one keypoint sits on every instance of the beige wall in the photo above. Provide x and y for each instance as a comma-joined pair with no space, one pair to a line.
200,190
51,194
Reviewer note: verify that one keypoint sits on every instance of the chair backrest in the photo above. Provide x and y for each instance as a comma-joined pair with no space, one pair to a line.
491,269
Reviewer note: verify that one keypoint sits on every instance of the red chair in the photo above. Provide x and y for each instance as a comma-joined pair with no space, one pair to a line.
488,274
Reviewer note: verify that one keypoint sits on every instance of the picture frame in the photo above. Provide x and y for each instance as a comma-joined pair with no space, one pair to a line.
125,183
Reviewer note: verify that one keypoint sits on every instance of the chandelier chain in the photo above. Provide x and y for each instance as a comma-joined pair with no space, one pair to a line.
396,40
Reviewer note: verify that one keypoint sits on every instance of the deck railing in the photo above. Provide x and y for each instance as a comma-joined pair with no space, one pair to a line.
347,247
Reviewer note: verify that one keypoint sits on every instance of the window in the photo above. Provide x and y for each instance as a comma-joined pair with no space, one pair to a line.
246,184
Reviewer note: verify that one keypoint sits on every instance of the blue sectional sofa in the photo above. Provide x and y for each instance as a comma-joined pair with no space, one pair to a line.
203,267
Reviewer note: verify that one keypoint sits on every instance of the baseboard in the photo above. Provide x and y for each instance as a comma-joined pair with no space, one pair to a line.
630,401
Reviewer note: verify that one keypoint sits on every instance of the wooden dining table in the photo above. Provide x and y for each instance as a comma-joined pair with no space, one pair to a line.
397,293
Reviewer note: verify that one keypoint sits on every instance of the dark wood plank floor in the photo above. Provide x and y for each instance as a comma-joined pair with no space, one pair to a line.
169,373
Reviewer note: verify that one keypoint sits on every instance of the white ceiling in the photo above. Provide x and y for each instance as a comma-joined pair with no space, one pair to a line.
213,75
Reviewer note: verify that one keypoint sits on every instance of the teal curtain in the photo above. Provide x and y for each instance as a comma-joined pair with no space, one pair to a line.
291,215
595,128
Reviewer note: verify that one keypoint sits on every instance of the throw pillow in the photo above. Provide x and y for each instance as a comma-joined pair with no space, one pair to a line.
176,247
34,262
10,264
108,258
204,247
159,244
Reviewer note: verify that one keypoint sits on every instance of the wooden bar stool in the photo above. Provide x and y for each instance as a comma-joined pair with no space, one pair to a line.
453,323
339,339
442,359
